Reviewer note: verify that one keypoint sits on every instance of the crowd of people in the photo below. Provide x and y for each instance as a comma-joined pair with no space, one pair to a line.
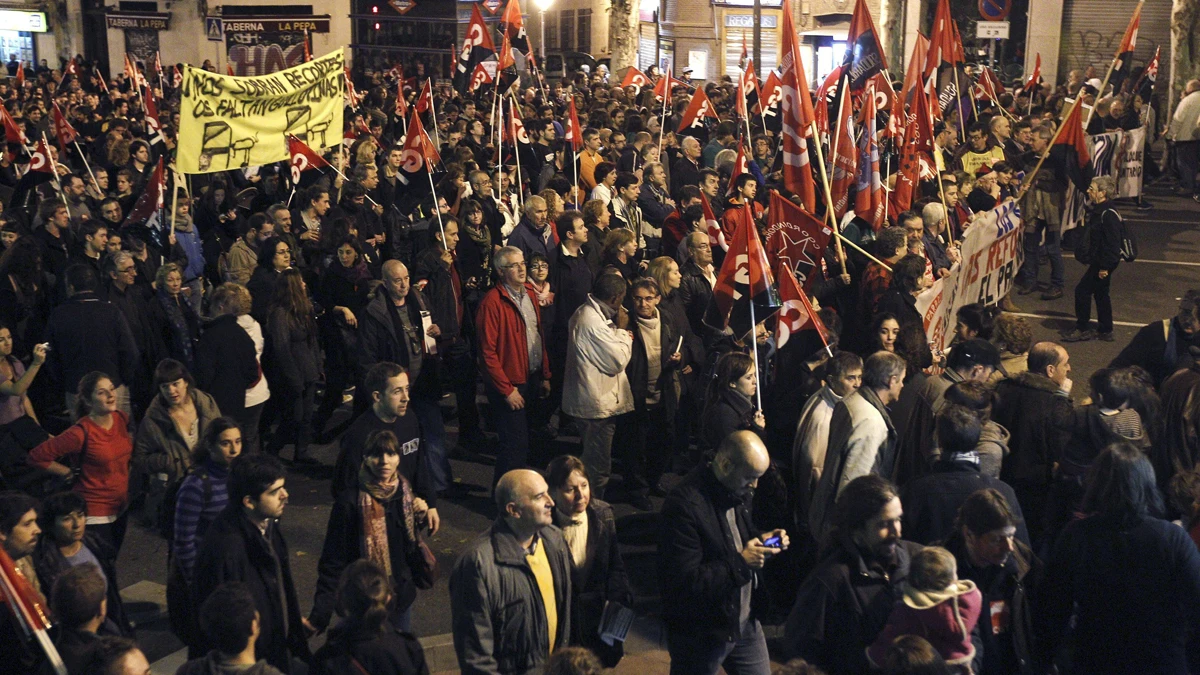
895,509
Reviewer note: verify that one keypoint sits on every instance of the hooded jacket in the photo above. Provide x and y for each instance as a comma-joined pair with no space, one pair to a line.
1036,413
213,665
594,382
945,618
159,447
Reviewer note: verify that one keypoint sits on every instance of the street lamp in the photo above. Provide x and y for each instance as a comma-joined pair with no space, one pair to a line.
542,6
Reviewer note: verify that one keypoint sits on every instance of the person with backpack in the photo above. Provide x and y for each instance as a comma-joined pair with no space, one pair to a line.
1101,247
201,496
174,422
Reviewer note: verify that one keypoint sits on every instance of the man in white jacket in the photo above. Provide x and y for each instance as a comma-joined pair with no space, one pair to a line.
843,377
1184,130
862,439
595,388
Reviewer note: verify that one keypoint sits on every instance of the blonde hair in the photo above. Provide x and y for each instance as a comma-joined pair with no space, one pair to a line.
615,239
659,268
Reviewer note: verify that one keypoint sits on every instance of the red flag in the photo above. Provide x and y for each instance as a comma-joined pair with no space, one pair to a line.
745,53
699,109
716,236
103,83
797,117
571,131
419,155
666,83
27,607
635,78
988,88
62,128
401,104
21,76
845,155
303,158
793,316
134,75
477,46
513,27
740,166
1036,77
772,91
479,78
942,50
1070,149
177,77
869,196
307,49
72,67
425,98
864,54
153,127
745,277
748,90
1124,53
353,98
158,71
821,109
148,205
1145,83
229,70
918,147
41,160
796,238
912,81
12,132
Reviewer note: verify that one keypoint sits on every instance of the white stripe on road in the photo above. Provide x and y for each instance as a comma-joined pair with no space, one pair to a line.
1169,262
1155,221
1071,319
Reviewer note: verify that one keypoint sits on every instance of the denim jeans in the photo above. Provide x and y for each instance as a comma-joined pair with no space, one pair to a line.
1091,285
1029,269
747,656
597,441
512,426
433,435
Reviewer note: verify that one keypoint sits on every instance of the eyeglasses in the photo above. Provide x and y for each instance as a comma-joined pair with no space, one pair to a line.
123,270
512,265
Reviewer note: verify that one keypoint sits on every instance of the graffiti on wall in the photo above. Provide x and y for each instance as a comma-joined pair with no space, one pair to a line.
263,53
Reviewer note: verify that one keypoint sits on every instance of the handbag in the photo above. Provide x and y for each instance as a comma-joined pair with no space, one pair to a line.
420,557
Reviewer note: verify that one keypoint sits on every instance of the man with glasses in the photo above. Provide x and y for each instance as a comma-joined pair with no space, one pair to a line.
516,367
979,151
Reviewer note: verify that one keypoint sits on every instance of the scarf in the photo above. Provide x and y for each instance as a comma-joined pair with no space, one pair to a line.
356,274
482,238
180,332
372,495
544,295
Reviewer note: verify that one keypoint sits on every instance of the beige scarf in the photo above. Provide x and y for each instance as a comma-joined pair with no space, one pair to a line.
372,495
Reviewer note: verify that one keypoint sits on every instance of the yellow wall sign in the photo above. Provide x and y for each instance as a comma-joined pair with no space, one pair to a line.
234,122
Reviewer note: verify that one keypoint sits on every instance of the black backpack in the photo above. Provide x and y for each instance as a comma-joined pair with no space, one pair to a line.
165,516
1129,245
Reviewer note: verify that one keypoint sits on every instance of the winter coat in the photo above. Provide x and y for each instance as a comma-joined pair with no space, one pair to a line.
1033,410
86,334
1105,249
211,664
1132,586
433,278
235,550
50,564
931,502
242,261
379,342
945,618
571,280
159,447
843,605
861,438
732,411
696,292
699,566
499,617
637,370
390,652
262,287
532,240
294,356
344,543
503,353
1180,449
1005,637
809,447
594,382
600,580
920,401
1159,347
992,448
226,364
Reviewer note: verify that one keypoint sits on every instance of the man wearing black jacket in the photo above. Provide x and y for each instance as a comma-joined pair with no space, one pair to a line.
245,544
1102,256
709,563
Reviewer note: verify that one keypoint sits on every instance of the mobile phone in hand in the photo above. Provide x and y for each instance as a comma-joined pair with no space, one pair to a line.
773,542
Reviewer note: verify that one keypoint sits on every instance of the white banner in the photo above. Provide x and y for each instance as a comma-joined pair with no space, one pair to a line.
991,258
1120,154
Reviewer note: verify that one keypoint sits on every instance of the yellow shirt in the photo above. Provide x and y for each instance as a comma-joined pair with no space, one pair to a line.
540,565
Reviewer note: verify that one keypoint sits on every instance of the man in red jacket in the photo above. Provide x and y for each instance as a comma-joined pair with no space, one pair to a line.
514,362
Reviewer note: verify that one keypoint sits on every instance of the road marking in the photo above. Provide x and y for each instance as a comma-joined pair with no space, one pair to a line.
1169,262
1071,319
1156,221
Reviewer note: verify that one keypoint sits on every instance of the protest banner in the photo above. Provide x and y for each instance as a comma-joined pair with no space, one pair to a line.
232,122
991,258
1120,154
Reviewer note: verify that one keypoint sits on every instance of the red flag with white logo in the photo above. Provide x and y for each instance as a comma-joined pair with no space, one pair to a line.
716,236
740,166
796,238
1036,77
12,132
796,311
401,104
869,196
479,77
147,208
303,158
425,98
745,278
797,117
63,131
635,78
571,131
697,111
845,155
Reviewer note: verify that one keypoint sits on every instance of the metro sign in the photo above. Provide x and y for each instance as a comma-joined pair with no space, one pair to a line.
492,5
402,6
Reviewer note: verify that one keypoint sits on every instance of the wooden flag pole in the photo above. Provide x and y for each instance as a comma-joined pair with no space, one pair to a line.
175,203
829,215
432,111
662,127
1046,153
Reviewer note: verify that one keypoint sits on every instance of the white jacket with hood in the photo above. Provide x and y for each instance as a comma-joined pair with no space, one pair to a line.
594,381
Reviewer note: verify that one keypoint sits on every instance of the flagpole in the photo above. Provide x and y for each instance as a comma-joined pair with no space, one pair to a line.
516,147
1111,65
662,127
436,209
432,111
815,319
962,121
887,168
829,214
85,163
1046,153
175,203
754,347
54,172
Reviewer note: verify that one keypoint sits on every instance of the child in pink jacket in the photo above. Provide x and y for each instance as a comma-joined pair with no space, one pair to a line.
936,606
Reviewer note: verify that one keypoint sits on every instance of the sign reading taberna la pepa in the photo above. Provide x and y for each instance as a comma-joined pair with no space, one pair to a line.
140,21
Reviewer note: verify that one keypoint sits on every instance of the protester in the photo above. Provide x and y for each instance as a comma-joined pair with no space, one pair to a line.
1103,240
292,334
232,624
79,599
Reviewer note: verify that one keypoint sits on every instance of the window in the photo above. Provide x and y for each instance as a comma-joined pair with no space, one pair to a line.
551,31
584,43
566,28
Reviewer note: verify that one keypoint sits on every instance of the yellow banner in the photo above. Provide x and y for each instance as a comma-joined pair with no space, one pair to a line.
231,122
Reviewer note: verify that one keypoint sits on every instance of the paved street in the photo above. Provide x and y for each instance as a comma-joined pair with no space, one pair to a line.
1142,292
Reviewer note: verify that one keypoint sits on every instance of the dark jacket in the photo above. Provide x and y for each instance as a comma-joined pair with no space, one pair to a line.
696,292
498,612
433,276
159,447
412,460
390,652
1159,347
1004,645
530,239
379,342
683,172
77,649
653,209
1105,250
637,370
729,413
571,280
235,550
50,564
262,287
1030,406
211,664
1180,449
842,606
601,579
294,353
344,539
931,502
901,303
86,334
699,567
226,364
1133,587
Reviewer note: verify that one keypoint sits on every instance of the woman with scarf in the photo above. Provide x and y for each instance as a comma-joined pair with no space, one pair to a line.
175,317
345,284
474,252
376,521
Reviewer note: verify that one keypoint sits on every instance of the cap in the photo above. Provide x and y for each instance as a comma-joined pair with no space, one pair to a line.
973,352
983,170
688,71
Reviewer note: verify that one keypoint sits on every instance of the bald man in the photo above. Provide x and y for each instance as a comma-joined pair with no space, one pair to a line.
391,329
710,560
510,592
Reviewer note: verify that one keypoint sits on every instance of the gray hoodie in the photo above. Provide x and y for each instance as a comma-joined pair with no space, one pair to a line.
992,448
213,664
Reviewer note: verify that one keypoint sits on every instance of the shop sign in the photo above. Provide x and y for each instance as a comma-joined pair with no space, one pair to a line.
138,21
